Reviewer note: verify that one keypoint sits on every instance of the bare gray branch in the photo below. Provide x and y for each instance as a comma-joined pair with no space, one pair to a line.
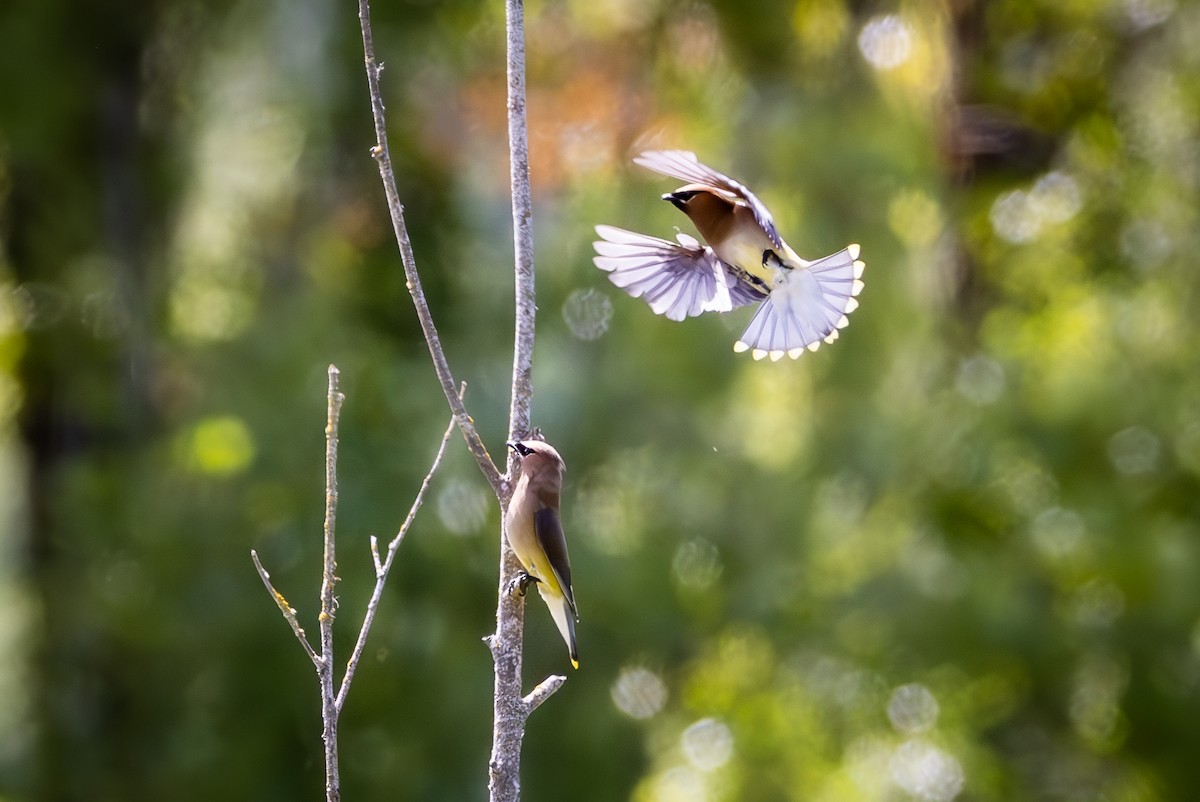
329,709
382,568
412,278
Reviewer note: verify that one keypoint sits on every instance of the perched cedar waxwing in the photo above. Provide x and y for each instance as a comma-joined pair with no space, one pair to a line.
536,535
745,261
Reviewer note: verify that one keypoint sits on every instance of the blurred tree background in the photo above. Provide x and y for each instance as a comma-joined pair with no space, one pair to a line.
952,556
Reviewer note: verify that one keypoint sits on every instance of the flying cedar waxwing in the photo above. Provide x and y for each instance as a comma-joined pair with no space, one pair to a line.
536,535
745,261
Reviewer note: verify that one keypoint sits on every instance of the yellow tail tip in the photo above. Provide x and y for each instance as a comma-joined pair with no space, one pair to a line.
575,664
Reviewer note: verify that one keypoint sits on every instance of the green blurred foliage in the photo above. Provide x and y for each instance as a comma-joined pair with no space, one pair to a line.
953,555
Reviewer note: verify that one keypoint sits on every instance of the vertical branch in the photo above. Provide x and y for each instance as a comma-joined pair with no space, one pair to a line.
509,709
329,710
522,214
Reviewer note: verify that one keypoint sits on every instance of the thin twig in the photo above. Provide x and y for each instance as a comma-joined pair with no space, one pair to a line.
288,612
413,280
329,709
375,550
382,568
323,661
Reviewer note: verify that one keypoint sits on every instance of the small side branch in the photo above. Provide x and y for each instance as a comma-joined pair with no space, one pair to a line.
382,567
466,424
288,612
545,689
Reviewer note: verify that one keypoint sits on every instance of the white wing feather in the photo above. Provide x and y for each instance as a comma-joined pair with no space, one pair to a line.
678,280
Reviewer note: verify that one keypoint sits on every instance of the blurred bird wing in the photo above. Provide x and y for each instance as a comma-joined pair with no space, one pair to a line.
682,164
549,533
806,307
678,280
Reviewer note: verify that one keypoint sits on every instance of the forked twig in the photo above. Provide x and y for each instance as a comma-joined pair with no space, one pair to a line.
510,708
331,704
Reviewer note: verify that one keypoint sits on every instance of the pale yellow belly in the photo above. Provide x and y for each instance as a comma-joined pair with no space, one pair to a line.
747,253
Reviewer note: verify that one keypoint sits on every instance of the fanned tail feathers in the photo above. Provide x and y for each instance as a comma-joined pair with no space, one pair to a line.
806,307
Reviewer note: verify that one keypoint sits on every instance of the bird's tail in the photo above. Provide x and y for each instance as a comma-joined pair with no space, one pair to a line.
806,307
561,612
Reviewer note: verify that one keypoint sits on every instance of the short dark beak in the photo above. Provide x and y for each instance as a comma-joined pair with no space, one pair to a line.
677,201
512,444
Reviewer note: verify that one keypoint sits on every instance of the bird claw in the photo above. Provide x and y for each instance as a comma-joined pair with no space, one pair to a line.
521,582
